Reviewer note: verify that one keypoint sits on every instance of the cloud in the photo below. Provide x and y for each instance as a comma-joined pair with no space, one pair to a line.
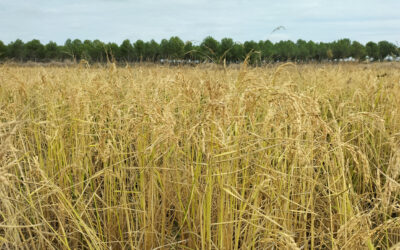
116,20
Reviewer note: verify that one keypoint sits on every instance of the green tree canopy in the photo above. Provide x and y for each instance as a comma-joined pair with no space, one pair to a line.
34,50
176,48
127,51
52,51
74,48
152,51
358,51
238,52
267,50
341,48
113,51
312,49
164,49
226,49
323,52
210,47
16,50
386,49
252,49
285,51
189,51
372,50
302,52
3,50
139,50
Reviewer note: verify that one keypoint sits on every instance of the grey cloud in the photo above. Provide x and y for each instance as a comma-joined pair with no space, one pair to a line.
116,20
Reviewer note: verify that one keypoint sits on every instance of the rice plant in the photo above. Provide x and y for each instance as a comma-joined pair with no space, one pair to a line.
206,157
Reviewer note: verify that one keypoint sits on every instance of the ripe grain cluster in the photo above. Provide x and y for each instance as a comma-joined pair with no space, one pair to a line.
157,157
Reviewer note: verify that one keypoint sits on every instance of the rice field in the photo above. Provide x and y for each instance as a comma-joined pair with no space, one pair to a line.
208,157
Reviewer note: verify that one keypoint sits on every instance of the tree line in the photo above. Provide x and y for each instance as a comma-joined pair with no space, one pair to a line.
210,49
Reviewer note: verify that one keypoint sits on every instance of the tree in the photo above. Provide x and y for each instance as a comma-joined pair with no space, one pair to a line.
74,49
152,51
127,51
286,51
386,49
312,50
138,48
189,52
329,54
225,49
323,52
238,52
16,50
113,52
251,49
78,48
176,48
372,50
52,51
302,52
34,50
358,50
164,49
98,51
3,51
267,50
209,48
87,50
341,49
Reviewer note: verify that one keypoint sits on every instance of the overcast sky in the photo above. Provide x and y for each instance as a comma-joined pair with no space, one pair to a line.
116,20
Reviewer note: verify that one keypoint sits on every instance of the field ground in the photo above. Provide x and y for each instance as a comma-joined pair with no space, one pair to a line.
156,157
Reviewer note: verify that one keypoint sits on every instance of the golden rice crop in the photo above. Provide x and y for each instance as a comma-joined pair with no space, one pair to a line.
157,157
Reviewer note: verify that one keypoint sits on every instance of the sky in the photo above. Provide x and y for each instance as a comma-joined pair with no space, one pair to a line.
117,20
